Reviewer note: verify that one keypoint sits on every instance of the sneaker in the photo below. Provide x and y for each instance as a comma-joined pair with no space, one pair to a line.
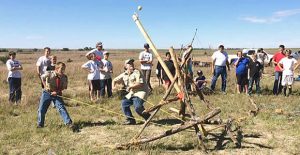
224,93
39,126
129,122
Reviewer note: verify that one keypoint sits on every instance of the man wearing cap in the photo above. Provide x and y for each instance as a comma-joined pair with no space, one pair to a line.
219,63
136,89
146,59
98,51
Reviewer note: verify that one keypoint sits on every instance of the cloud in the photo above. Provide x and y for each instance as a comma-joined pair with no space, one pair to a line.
34,37
276,17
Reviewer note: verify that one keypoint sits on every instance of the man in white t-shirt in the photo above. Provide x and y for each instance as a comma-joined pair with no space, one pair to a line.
219,63
14,78
146,60
287,65
43,62
98,51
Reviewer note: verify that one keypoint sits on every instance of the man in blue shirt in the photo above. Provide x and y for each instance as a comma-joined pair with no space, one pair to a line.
241,65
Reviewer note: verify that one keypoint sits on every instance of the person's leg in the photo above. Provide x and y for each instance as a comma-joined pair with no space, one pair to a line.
18,90
148,76
43,107
59,104
245,83
91,90
11,90
102,88
224,78
139,107
251,81
284,84
275,86
109,87
280,85
217,73
257,83
125,103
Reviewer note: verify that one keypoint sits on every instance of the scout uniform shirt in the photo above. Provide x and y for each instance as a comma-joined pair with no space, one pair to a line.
54,82
132,79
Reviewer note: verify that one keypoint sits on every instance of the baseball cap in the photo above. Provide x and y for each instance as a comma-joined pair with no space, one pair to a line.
146,45
199,72
129,61
105,52
98,44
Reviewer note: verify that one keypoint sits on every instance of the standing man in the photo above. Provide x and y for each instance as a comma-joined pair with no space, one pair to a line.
136,89
146,59
14,78
98,51
219,63
105,76
277,88
43,62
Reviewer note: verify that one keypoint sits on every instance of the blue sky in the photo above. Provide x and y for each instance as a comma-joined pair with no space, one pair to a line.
80,23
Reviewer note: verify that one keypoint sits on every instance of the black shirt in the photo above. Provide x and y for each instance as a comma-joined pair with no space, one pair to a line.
255,68
170,66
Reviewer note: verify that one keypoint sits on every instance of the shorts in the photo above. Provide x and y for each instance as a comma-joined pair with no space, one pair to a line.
242,79
287,80
94,84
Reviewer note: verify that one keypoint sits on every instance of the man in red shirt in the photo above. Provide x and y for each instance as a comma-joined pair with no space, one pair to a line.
277,88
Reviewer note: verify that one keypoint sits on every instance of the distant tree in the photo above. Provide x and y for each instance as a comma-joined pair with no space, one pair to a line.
3,59
80,49
19,50
65,49
3,50
35,50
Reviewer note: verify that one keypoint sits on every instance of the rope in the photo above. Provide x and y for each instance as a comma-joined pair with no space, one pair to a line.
109,111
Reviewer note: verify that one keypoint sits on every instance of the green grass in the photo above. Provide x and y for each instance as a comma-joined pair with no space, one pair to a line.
267,133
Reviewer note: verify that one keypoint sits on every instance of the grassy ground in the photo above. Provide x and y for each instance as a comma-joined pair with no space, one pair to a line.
275,130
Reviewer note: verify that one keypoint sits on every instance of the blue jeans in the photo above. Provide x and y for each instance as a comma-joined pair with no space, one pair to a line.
277,88
108,84
219,70
15,92
257,83
138,106
45,101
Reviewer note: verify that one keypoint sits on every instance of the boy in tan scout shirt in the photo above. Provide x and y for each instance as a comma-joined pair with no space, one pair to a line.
55,82
136,87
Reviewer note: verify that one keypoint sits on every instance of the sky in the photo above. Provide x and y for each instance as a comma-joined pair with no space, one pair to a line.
81,23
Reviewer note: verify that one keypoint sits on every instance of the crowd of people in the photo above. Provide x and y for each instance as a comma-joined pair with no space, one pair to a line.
136,83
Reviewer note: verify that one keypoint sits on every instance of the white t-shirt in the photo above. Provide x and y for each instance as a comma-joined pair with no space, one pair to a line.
288,65
10,64
261,58
94,67
99,54
220,57
43,62
108,66
148,57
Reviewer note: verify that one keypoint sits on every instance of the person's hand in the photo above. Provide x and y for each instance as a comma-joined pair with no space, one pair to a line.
54,93
91,71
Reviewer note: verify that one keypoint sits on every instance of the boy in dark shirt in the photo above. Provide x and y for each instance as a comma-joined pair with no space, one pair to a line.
200,81
53,63
169,63
254,74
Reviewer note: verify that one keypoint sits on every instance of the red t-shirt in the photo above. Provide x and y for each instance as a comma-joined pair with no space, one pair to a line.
277,57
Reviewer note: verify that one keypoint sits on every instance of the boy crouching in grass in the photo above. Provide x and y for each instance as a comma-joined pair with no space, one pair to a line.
93,68
287,65
55,82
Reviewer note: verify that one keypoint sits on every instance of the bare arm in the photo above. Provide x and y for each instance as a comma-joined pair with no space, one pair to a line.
279,65
227,64
213,66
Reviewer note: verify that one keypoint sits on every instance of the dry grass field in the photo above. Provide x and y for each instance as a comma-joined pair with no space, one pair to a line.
275,130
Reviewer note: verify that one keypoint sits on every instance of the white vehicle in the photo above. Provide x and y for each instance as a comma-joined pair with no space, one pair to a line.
250,52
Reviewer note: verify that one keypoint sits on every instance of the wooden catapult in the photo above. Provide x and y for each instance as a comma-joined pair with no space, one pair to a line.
179,82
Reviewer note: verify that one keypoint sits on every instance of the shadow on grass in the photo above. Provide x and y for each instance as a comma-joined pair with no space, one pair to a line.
223,140
83,124
168,121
